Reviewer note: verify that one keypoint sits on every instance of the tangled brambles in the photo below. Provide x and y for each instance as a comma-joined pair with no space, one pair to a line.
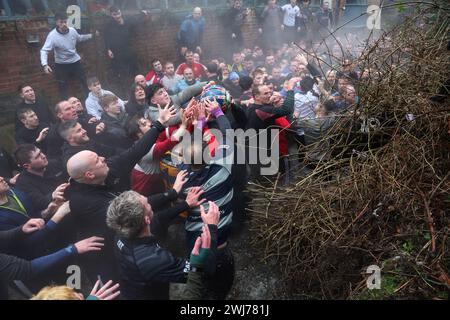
379,193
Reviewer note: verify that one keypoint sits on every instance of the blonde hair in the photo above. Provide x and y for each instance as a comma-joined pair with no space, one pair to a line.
125,215
56,293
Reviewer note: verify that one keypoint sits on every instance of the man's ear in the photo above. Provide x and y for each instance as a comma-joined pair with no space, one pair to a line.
147,220
89,176
26,166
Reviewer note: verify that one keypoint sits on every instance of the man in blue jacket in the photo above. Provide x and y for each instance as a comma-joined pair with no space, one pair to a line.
191,32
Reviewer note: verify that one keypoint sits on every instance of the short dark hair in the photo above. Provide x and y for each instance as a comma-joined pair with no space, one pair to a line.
21,86
22,111
307,84
61,15
64,128
155,60
92,80
22,154
113,9
245,82
212,67
256,72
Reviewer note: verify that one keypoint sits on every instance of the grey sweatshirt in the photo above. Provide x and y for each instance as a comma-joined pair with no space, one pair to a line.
64,46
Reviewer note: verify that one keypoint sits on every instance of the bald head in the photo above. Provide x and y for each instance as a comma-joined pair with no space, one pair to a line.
79,164
87,167
140,79
197,13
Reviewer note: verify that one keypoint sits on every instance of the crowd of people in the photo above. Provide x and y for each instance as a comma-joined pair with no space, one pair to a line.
86,184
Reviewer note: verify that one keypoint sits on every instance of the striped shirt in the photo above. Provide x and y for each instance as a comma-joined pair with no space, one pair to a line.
216,181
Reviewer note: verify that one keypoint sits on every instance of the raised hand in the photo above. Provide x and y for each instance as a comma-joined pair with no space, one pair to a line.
106,292
100,128
58,194
89,244
185,119
193,196
213,215
180,181
62,211
302,59
204,242
292,83
13,180
33,225
92,120
43,134
166,113
212,107
189,111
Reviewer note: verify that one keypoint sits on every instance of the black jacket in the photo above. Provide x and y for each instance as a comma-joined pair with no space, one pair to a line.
39,189
7,164
115,133
55,142
40,107
89,203
24,135
147,269
118,37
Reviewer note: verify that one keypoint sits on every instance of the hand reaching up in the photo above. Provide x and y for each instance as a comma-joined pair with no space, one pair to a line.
89,244
166,113
180,181
213,215
193,197
106,292
33,225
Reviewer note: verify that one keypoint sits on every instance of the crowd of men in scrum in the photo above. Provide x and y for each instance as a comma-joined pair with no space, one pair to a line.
85,185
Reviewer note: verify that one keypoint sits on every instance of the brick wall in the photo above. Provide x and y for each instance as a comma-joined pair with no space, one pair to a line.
19,61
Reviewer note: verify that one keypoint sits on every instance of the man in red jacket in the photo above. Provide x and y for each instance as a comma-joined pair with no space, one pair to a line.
197,68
